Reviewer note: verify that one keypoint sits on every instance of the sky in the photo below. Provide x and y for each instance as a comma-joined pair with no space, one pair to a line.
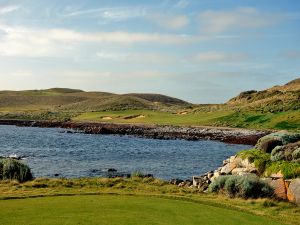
202,51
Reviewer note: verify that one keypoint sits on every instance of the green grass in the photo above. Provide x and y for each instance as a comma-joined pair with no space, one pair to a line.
283,120
289,170
153,117
130,198
288,120
266,167
112,209
259,158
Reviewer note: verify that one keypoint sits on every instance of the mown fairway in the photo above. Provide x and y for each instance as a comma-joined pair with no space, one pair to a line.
113,209
281,120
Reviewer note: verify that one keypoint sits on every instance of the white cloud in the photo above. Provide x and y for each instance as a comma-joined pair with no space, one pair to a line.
217,21
8,9
170,21
109,13
145,58
38,42
213,56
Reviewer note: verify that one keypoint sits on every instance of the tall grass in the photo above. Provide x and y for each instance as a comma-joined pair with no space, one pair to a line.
11,169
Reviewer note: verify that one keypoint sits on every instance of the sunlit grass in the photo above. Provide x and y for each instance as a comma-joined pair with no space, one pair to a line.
142,190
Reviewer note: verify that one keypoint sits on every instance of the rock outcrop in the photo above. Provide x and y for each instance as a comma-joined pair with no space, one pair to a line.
269,142
283,146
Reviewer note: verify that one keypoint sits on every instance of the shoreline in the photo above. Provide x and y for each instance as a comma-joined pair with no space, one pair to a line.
227,135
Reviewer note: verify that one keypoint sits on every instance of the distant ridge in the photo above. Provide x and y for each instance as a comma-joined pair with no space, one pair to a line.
64,90
158,98
65,99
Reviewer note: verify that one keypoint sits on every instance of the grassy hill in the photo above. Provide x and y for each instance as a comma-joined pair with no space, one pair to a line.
62,99
275,99
274,108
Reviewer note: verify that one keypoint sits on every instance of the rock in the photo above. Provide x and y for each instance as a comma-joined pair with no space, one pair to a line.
175,181
293,191
277,175
226,161
181,184
188,183
203,187
269,142
246,164
236,171
196,180
216,174
227,168
279,188
111,170
232,158
210,175
268,145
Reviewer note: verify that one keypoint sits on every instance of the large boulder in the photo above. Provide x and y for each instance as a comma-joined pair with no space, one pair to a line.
293,191
269,142
279,188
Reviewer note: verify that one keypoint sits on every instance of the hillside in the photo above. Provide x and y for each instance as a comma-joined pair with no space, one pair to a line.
275,99
274,108
63,99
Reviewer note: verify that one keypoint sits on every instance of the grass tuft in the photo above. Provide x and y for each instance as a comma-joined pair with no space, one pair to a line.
11,169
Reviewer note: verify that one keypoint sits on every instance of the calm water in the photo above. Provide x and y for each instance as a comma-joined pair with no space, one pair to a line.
49,151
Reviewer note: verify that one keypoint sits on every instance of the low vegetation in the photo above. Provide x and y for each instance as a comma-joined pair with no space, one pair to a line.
11,169
289,170
266,166
260,159
241,186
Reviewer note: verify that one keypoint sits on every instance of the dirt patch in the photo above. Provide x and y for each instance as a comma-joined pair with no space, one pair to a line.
106,118
182,113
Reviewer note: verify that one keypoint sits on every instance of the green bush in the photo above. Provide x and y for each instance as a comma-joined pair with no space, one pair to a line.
259,158
277,154
241,186
296,154
289,170
11,169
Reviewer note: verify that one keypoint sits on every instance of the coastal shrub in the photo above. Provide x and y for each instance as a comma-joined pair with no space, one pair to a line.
259,158
249,186
296,154
277,154
289,170
11,169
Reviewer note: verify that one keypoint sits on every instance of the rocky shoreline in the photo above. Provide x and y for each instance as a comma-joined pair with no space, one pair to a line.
228,135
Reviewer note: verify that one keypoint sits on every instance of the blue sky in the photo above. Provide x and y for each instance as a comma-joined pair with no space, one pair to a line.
203,51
